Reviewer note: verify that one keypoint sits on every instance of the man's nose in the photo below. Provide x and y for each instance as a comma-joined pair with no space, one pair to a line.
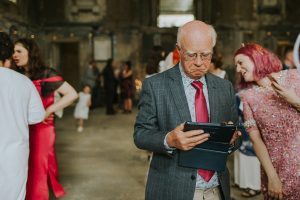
198,60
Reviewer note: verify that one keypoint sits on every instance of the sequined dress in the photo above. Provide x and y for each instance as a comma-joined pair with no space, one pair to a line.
279,126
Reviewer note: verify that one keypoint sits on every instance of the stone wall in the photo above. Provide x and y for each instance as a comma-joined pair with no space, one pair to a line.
132,26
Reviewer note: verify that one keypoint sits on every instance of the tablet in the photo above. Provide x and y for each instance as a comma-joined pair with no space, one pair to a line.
219,132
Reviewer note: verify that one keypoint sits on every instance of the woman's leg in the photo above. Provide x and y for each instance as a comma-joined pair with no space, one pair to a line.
80,125
38,168
80,122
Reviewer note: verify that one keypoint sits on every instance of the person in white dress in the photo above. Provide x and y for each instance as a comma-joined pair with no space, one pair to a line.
246,164
20,105
82,108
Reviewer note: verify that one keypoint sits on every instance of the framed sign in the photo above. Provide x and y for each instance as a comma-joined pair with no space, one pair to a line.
102,47
269,3
269,7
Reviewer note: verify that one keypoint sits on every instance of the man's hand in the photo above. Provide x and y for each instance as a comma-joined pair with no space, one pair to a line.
235,135
185,140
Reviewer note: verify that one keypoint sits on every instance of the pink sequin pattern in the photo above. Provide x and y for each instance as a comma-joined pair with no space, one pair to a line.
279,125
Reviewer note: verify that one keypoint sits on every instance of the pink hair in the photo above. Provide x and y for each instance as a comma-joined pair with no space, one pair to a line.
265,62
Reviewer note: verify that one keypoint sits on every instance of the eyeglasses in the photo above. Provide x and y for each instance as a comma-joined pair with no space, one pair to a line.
205,56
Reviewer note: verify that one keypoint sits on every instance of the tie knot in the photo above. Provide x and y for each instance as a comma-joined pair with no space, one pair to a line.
197,85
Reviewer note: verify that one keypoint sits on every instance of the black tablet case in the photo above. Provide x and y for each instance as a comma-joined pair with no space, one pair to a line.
212,154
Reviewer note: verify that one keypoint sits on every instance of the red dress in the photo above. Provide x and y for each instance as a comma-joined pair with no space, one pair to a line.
42,159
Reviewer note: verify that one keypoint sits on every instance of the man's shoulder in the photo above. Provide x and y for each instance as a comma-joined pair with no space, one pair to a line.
12,73
218,80
159,77
14,78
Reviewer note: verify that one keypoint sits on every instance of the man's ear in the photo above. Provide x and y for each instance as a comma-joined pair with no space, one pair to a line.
177,47
7,63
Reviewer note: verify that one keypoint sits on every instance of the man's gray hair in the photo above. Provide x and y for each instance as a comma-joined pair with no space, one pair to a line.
212,32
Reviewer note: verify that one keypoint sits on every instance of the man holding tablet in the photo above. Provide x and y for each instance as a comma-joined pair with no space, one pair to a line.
186,92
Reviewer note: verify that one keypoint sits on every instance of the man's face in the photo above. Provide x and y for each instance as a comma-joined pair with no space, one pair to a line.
195,55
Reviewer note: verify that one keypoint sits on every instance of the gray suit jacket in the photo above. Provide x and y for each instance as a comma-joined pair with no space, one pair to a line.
162,107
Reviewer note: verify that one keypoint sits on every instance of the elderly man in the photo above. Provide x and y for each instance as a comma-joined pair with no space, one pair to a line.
20,105
173,97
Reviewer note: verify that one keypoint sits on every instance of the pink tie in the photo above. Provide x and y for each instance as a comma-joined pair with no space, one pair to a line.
201,116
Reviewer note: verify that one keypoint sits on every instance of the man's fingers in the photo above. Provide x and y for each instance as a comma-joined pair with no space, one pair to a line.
201,141
193,133
180,127
193,144
194,139
189,143
235,136
188,139
198,138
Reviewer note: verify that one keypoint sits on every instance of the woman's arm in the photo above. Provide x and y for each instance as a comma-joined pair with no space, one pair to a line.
68,93
274,183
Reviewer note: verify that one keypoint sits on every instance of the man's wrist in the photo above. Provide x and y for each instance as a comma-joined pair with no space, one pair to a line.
49,110
167,142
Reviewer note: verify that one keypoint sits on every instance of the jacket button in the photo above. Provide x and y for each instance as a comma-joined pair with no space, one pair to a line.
193,177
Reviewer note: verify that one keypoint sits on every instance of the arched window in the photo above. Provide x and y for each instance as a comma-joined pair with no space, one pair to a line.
174,13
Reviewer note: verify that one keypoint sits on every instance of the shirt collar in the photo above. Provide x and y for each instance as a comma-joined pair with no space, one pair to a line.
187,80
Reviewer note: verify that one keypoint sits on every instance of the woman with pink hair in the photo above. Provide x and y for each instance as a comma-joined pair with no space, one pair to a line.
272,121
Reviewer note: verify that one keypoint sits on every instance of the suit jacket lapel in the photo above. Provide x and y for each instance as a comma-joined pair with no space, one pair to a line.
177,90
212,96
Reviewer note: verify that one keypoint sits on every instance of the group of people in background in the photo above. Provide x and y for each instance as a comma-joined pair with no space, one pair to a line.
158,61
114,87
119,87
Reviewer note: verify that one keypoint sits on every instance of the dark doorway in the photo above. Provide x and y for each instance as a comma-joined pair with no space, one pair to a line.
69,63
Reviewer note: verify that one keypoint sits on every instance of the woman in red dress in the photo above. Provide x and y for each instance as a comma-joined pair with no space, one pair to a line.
42,160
